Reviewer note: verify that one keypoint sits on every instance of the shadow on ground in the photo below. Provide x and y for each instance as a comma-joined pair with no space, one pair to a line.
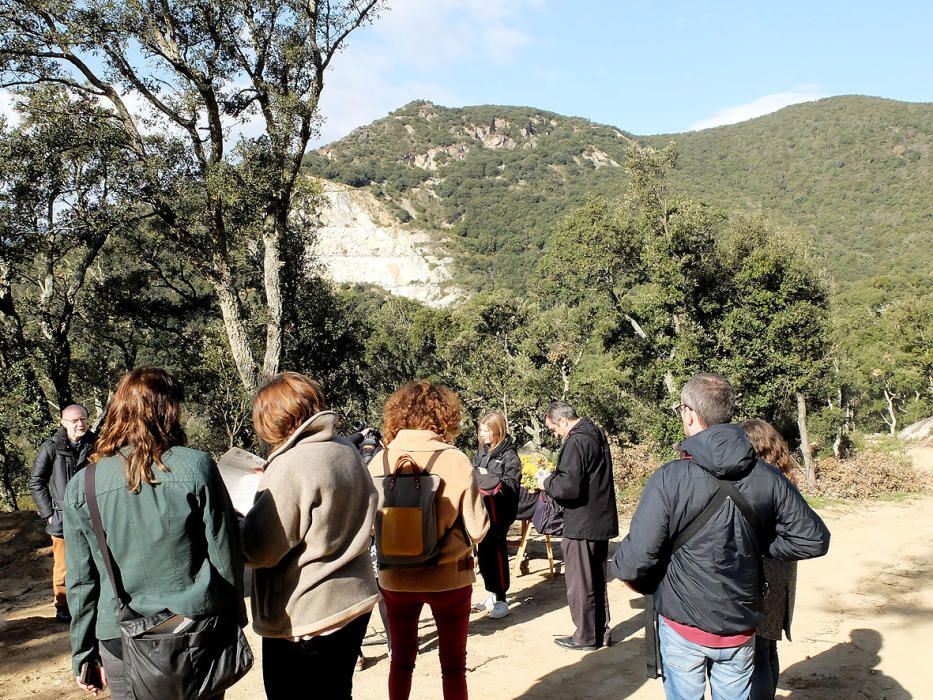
847,670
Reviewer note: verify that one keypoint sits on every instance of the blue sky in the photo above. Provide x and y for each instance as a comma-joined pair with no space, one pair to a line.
645,67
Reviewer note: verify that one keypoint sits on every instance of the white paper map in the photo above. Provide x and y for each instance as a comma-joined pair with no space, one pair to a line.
241,471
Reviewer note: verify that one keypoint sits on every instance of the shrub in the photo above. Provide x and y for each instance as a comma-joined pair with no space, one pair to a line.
869,474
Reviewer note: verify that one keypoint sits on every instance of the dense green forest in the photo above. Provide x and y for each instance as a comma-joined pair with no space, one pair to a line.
604,268
852,174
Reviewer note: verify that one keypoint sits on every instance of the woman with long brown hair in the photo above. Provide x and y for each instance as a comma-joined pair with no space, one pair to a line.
499,474
421,422
780,576
307,537
169,524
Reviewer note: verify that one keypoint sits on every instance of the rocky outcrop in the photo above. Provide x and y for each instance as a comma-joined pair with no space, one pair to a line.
360,242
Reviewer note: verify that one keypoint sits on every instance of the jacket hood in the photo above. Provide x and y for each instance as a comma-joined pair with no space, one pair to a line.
588,428
506,444
722,450
321,427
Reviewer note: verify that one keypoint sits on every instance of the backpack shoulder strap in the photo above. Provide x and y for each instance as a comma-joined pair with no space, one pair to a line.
385,462
742,504
434,456
695,525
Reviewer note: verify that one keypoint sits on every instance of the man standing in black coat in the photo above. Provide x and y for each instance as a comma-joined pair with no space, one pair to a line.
696,541
60,457
582,484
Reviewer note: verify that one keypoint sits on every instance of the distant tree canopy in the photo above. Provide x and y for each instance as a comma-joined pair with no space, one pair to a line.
176,78
849,173
157,237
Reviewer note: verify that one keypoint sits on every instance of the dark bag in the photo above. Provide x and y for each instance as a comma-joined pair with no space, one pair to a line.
406,520
166,656
548,518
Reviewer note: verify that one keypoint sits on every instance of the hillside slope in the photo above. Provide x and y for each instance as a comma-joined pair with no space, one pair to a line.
852,173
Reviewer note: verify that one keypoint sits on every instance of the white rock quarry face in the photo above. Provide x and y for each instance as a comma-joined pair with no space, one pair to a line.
359,242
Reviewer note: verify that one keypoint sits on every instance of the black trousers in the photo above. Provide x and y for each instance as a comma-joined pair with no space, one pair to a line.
585,573
494,561
320,667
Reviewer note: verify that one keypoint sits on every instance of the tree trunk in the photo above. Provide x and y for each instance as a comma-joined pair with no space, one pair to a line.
272,282
892,422
7,465
805,440
235,326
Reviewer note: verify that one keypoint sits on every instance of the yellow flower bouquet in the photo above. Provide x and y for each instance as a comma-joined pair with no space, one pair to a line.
531,463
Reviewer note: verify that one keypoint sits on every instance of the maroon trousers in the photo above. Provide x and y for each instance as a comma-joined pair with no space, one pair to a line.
451,611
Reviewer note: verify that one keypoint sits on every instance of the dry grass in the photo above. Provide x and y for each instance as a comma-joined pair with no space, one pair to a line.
866,474
869,474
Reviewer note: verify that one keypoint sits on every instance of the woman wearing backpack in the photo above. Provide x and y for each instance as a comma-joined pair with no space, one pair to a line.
499,473
307,537
421,422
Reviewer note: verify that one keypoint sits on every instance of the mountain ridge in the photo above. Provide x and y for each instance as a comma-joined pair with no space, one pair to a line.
850,172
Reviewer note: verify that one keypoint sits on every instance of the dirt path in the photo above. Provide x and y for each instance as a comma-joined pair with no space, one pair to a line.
862,627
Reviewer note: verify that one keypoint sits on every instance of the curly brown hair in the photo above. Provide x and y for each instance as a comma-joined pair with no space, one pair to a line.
422,405
144,415
771,447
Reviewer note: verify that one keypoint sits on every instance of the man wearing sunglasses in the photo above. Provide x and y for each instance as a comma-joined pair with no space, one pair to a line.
696,541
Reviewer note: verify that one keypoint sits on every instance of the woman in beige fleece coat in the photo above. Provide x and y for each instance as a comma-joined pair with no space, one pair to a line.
422,419
307,537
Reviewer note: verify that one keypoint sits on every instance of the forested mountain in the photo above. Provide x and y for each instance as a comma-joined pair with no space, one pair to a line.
852,174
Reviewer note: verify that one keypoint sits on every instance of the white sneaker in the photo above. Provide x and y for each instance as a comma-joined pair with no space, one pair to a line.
499,610
486,605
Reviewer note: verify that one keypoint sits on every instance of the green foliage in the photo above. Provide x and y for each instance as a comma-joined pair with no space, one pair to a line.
847,172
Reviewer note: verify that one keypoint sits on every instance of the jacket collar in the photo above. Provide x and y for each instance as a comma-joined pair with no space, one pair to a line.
321,427
63,444
417,441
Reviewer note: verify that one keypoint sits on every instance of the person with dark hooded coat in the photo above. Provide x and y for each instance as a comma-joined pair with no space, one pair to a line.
708,593
582,483
499,474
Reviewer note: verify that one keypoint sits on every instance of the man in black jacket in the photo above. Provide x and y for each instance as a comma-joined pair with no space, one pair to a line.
60,458
709,589
582,484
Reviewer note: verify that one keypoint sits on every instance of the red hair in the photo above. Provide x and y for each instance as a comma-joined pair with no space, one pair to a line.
422,406
771,447
283,403
144,415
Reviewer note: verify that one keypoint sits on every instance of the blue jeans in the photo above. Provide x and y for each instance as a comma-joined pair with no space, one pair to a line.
686,666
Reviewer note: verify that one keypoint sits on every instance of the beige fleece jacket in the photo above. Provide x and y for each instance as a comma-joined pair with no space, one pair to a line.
307,535
458,495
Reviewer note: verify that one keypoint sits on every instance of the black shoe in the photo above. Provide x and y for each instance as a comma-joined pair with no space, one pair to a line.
568,643
62,614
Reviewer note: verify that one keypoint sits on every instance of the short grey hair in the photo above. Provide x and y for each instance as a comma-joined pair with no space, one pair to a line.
558,410
711,396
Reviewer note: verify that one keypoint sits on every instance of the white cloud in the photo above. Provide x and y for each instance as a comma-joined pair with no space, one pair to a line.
7,108
761,106
409,40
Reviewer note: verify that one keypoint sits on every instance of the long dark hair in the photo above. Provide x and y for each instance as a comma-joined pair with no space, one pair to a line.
144,415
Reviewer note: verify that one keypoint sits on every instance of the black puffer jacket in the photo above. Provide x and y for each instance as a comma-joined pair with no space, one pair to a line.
502,462
582,484
713,582
55,464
